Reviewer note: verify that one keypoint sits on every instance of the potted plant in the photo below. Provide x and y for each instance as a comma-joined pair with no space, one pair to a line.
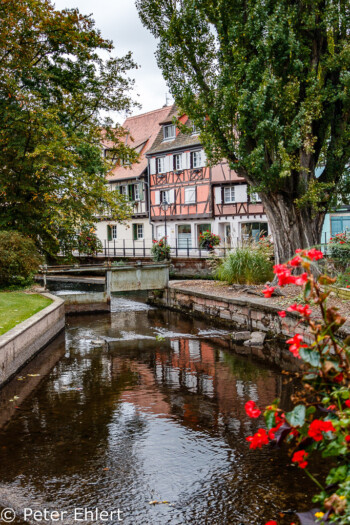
160,250
208,240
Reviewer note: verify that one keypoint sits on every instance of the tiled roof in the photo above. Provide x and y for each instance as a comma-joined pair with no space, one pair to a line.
143,129
180,141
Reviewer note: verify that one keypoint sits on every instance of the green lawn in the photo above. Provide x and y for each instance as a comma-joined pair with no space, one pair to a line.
15,307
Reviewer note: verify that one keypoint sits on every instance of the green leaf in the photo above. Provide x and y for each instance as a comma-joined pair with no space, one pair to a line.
310,356
296,418
335,448
270,419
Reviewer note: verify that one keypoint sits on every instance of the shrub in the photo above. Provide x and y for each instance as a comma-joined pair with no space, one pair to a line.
160,250
88,242
245,266
340,249
319,423
19,259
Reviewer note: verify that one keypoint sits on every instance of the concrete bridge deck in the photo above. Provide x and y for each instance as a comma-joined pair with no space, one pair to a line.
126,278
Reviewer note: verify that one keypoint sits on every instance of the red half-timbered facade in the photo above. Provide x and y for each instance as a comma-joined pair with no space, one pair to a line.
199,197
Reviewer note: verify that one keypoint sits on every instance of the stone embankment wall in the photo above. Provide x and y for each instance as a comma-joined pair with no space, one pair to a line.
19,345
241,314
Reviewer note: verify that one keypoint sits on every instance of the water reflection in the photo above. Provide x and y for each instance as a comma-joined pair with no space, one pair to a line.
125,417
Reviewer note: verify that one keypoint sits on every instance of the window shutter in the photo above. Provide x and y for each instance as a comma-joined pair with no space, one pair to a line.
134,231
191,160
152,166
203,158
218,194
131,192
157,197
109,232
171,195
241,193
141,191
184,161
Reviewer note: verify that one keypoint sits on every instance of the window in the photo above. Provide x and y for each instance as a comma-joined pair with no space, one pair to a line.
138,231
114,231
254,197
160,164
177,162
194,130
196,159
169,132
123,190
137,192
164,196
254,230
190,195
229,194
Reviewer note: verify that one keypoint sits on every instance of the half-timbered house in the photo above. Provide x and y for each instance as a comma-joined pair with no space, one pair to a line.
131,180
199,197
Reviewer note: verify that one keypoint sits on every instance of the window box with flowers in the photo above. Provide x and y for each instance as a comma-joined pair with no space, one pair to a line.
208,240
160,250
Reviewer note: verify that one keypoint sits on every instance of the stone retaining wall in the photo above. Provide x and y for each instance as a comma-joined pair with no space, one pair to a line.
19,345
241,313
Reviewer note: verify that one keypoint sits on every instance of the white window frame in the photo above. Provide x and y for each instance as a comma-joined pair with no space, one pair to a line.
177,161
196,159
160,165
137,196
229,195
169,132
164,193
194,130
254,198
123,189
190,191
140,231
114,232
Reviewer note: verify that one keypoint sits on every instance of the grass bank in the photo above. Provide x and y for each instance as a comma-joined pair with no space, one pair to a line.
16,307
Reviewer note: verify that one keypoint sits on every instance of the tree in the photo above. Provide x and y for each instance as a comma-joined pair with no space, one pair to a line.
267,82
54,86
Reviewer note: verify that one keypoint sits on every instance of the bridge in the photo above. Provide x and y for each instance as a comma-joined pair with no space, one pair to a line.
118,278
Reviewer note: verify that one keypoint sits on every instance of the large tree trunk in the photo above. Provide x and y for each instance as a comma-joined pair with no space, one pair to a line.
291,227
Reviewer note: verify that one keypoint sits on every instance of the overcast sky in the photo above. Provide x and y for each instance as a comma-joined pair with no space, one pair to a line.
118,21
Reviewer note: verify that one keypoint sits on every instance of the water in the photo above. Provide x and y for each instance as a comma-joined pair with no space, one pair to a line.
144,405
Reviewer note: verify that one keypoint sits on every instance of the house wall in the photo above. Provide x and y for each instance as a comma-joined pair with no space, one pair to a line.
125,233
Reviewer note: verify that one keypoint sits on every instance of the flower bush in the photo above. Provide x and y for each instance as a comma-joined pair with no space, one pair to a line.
88,242
320,420
208,240
160,250
340,249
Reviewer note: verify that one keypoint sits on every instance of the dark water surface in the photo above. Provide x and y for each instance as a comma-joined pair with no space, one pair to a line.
143,405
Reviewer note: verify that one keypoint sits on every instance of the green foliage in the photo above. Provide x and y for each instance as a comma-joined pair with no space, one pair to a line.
245,266
340,249
267,83
88,242
19,259
343,279
160,250
208,240
54,87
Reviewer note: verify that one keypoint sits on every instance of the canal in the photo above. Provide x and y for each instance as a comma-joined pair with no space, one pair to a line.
141,406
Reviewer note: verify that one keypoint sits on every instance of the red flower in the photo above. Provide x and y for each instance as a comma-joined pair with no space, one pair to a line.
251,409
282,313
301,279
268,291
259,439
339,378
271,522
295,344
303,310
317,427
332,407
300,457
295,261
347,438
314,254
347,403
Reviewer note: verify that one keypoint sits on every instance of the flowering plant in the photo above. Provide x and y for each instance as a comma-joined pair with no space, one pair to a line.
208,240
160,250
88,242
340,249
320,419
